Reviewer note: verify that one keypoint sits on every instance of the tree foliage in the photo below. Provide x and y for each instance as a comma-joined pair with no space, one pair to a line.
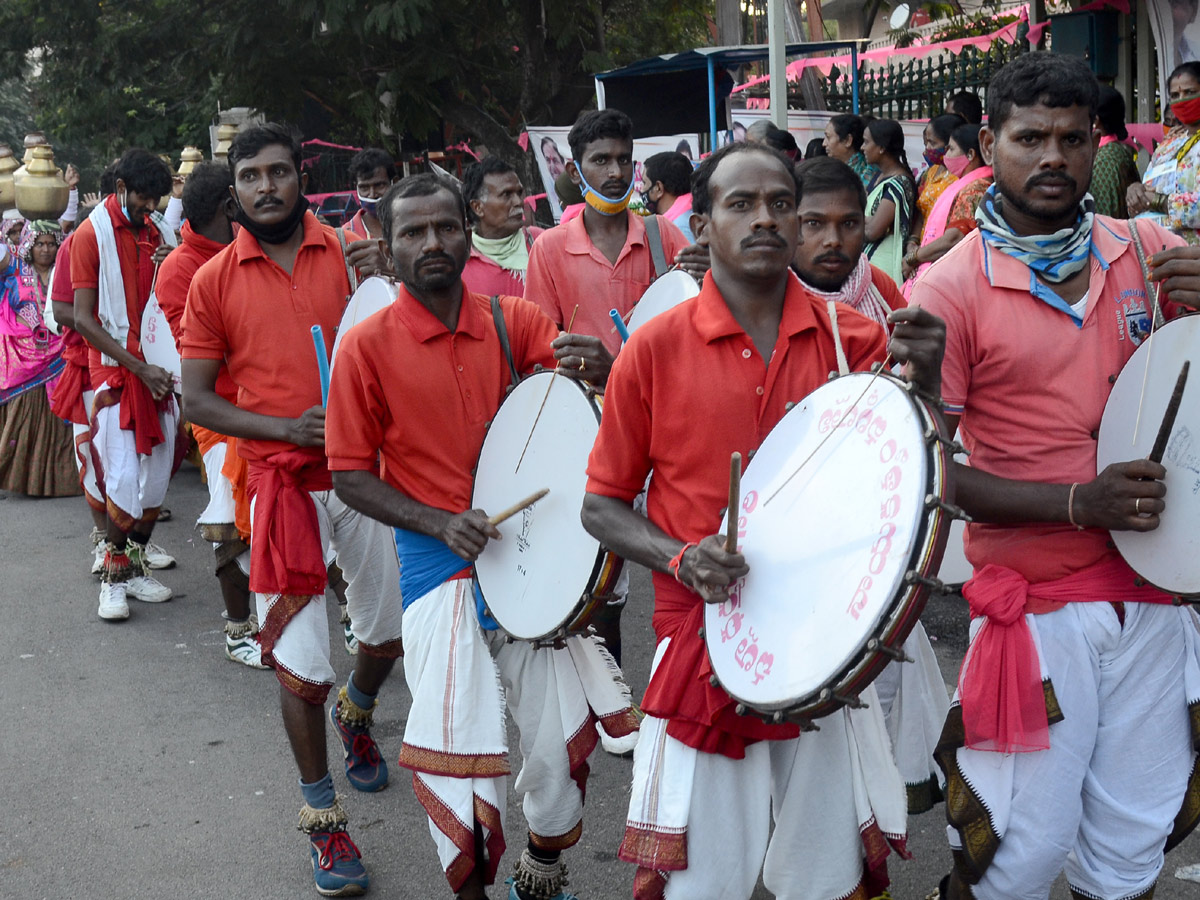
117,73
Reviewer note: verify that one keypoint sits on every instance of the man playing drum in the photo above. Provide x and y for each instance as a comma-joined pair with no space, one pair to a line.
436,357
251,307
705,779
1070,747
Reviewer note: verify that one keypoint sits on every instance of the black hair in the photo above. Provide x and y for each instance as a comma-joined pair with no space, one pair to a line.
206,188
1039,77
424,185
888,134
848,125
1111,112
249,143
1191,67
815,148
967,138
108,179
702,199
685,148
595,125
943,126
365,162
144,173
673,169
472,183
825,175
968,105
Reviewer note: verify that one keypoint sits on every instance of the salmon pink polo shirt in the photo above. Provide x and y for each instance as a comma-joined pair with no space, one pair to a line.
408,391
566,269
242,307
1030,384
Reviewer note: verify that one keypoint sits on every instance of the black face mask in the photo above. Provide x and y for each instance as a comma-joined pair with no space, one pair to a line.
278,232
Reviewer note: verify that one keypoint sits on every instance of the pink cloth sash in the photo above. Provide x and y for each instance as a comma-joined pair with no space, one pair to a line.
939,218
1000,682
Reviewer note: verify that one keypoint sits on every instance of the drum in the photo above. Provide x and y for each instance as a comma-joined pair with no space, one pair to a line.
544,579
666,292
158,344
844,517
373,295
1166,557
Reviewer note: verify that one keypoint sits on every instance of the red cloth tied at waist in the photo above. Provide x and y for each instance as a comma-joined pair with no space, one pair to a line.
285,553
67,400
698,713
139,409
1000,682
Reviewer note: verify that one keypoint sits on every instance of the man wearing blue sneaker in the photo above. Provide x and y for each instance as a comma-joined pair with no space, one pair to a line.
252,306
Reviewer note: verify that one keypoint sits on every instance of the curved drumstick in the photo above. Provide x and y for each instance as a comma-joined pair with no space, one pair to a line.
322,362
517,507
550,385
622,330
1168,422
735,500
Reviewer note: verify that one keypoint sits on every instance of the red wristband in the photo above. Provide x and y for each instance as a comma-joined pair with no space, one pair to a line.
677,561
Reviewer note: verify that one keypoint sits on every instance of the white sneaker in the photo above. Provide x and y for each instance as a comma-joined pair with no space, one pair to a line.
112,602
98,558
157,557
618,746
245,650
147,589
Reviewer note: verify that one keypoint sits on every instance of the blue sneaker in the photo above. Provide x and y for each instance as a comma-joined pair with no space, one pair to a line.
513,895
365,769
337,865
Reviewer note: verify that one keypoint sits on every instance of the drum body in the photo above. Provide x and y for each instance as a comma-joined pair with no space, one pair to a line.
842,524
373,295
158,344
547,575
666,292
1169,556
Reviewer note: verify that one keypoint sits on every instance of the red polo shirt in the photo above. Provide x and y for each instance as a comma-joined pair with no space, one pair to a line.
1030,385
75,349
175,277
686,391
243,308
135,250
484,275
566,269
420,397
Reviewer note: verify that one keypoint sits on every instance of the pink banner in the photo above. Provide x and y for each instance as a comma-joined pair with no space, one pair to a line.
320,143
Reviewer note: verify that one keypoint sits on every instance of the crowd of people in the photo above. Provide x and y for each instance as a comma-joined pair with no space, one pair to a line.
990,280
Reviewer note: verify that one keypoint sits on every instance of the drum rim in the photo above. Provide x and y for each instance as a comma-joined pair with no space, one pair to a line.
929,544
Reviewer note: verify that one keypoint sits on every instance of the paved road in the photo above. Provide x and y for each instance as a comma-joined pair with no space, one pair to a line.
139,762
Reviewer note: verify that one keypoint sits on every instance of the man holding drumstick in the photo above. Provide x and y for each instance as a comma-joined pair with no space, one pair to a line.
251,307
436,357
705,779
1083,763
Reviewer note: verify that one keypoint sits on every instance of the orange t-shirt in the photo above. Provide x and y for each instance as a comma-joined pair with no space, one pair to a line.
135,250
1030,385
566,269
420,397
243,308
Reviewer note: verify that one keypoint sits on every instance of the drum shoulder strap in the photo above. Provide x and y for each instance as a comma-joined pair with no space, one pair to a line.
1151,293
657,254
350,274
505,345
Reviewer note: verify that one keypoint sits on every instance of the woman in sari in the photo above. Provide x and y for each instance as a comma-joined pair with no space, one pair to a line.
1170,189
1114,169
844,141
936,177
892,202
36,448
953,216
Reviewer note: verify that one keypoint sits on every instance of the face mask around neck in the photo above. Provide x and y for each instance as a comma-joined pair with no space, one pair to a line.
277,232
607,206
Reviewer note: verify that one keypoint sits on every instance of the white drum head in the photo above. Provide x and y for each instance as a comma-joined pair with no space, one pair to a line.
534,578
666,292
827,549
373,294
158,344
1169,556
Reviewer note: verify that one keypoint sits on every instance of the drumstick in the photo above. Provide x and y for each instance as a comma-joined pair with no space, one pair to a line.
1168,422
735,499
517,507
322,363
1154,315
553,375
620,324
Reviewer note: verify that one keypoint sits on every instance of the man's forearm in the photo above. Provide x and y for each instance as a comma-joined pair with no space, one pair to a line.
89,329
627,534
1001,501
64,314
374,497
210,410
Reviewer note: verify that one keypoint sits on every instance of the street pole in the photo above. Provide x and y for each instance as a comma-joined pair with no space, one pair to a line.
777,64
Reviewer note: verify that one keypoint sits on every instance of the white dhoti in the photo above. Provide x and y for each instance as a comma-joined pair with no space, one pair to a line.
699,823
914,701
455,740
1101,802
135,484
221,512
85,459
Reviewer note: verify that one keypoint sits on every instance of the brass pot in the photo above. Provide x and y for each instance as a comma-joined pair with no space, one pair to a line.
8,165
166,198
33,139
225,135
41,191
188,160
